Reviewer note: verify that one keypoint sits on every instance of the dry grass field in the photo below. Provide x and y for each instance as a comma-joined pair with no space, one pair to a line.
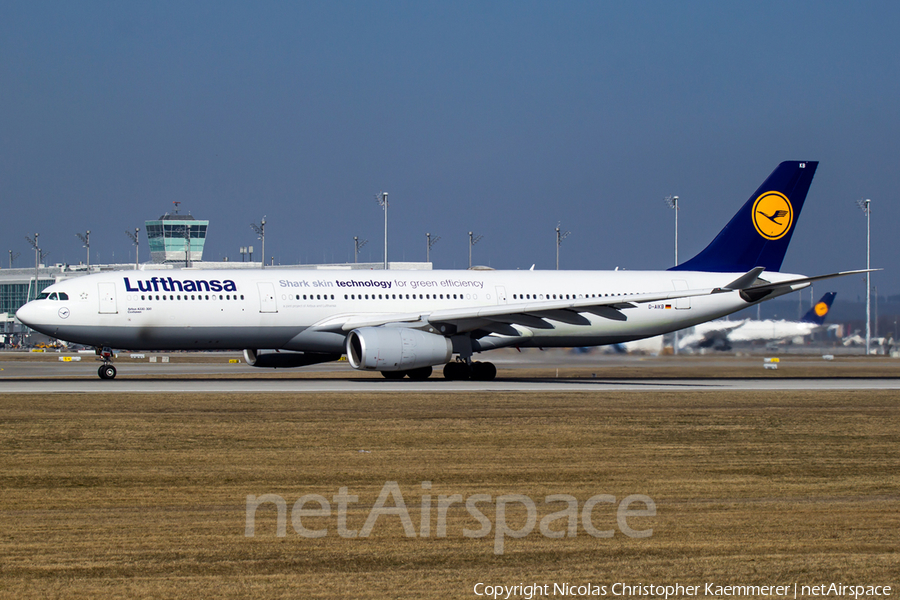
144,496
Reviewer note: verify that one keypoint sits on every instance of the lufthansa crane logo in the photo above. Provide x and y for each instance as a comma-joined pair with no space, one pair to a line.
773,215
821,309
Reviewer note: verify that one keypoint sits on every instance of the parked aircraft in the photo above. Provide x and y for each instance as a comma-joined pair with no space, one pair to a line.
721,334
403,323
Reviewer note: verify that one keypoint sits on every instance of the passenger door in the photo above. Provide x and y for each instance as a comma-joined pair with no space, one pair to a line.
107,294
267,297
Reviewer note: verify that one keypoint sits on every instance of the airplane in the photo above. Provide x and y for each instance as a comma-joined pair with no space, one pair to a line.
721,334
404,323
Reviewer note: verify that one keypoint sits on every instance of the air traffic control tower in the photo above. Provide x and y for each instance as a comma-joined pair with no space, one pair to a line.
176,238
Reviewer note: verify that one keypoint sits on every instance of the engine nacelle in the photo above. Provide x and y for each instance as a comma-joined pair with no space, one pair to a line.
396,349
284,360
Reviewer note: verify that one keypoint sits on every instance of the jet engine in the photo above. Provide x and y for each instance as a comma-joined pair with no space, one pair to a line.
284,360
396,349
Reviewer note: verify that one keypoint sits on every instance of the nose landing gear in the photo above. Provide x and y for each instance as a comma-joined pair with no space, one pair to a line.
106,370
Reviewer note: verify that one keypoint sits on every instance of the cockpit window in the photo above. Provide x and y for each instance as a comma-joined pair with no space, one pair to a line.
43,296
63,296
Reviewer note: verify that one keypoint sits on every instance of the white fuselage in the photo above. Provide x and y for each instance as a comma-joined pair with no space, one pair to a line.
311,311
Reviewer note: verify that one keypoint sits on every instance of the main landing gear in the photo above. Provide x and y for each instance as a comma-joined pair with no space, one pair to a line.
106,370
474,370
454,371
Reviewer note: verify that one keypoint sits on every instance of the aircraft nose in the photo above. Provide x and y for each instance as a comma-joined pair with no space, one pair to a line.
28,314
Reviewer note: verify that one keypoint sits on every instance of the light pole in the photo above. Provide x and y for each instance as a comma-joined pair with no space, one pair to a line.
382,199
864,205
356,246
672,202
261,232
559,238
137,246
472,242
86,240
429,242
13,257
37,259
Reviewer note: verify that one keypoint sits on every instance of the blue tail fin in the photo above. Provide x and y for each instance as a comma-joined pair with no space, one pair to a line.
820,310
759,234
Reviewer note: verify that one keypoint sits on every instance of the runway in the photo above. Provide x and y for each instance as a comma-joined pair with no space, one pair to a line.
258,385
517,372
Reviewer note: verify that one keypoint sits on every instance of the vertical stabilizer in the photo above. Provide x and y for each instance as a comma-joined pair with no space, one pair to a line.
820,310
759,234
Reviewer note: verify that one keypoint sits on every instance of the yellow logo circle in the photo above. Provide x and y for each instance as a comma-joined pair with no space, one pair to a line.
821,309
772,215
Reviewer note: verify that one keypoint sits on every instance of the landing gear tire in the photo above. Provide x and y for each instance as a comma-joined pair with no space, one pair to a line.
483,371
420,374
107,372
456,371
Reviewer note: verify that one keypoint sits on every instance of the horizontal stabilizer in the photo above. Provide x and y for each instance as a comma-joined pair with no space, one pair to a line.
746,280
758,292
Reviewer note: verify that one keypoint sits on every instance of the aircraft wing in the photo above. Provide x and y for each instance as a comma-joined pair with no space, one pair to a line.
540,314
537,314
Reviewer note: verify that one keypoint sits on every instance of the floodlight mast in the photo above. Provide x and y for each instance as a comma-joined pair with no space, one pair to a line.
865,206
672,202
382,199
261,232
429,242
559,238
37,258
472,242
356,246
137,247
86,240
13,257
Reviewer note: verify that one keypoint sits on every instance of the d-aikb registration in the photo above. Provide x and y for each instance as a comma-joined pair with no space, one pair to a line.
404,323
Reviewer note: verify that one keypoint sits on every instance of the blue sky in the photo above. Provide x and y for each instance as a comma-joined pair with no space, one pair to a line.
501,118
